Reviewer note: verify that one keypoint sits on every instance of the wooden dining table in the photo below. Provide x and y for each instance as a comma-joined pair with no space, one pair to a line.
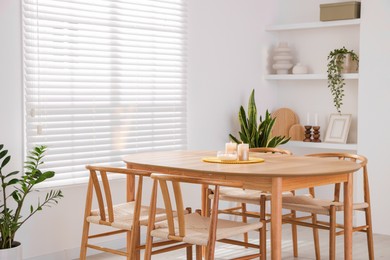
276,174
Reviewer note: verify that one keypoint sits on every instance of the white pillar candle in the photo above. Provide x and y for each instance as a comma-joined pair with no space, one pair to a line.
230,147
243,152
315,119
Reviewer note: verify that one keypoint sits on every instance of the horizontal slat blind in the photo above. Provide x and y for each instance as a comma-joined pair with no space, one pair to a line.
102,79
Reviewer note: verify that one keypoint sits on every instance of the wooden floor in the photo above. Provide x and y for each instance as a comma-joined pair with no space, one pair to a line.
306,248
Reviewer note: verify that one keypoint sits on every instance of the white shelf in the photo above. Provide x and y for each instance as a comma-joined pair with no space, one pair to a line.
307,76
332,146
313,25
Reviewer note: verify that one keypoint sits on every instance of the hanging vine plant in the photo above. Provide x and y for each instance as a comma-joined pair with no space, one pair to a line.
336,60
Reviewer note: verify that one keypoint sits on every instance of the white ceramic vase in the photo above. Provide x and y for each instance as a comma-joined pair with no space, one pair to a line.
282,58
13,253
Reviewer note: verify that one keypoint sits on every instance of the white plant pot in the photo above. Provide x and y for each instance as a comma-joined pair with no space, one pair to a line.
14,253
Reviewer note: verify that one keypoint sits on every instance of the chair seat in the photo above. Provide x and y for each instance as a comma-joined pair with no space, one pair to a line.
307,203
197,229
244,196
123,215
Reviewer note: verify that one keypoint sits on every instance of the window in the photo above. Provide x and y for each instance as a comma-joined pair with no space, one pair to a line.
102,79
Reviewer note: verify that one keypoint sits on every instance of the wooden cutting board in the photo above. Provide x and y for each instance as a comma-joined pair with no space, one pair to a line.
297,132
285,119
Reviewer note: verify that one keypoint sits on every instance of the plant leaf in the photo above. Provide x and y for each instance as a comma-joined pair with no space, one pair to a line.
13,181
3,153
12,173
252,115
6,160
243,121
233,139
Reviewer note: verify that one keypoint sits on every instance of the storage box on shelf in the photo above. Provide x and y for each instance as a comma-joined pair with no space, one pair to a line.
340,11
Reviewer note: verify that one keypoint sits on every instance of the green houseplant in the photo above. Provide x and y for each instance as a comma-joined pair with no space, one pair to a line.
254,134
14,191
336,61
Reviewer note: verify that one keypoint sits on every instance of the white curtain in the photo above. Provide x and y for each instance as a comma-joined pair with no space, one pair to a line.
102,79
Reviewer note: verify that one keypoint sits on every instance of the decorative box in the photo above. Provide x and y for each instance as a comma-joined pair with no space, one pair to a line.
340,11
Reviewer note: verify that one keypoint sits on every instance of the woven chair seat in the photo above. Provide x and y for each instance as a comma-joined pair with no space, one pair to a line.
123,215
197,229
244,196
306,203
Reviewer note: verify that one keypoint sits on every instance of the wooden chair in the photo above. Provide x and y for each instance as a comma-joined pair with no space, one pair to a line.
309,204
254,197
193,228
126,217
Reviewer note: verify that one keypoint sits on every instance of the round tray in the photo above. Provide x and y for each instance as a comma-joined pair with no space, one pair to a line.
216,160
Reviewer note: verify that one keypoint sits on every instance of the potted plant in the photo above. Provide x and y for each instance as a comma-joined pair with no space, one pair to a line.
14,191
338,59
257,135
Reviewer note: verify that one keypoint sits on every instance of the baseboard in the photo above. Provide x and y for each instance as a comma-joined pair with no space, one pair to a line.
73,253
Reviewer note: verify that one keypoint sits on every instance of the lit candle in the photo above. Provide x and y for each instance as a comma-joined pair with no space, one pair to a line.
243,152
230,147
315,119
308,119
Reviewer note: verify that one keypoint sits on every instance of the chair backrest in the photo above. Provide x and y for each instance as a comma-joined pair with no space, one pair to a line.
270,150
175,180
351,157
102,190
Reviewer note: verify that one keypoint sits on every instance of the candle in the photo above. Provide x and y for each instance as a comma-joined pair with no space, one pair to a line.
308,119
243,152
315,119
230,147
226,156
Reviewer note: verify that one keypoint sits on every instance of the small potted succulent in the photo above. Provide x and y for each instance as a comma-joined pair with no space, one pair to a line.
340,61
254,134
14,190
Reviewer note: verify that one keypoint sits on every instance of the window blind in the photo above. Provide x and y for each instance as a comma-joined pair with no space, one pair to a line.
102,79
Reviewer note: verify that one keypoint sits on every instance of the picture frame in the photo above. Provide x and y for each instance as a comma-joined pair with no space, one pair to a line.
338,128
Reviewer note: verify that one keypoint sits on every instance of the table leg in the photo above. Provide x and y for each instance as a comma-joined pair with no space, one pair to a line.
348,211
205,207
205,200
276,219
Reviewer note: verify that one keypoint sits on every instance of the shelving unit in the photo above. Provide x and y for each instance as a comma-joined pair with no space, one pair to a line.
312,42
318,76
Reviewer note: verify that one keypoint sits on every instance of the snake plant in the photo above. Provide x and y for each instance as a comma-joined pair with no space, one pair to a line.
254,134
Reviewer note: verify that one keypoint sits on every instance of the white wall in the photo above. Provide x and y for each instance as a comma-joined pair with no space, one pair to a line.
227,45
374,94
11,99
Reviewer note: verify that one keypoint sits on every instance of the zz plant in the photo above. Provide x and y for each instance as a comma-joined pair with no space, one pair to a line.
336,59
254,134
15,189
